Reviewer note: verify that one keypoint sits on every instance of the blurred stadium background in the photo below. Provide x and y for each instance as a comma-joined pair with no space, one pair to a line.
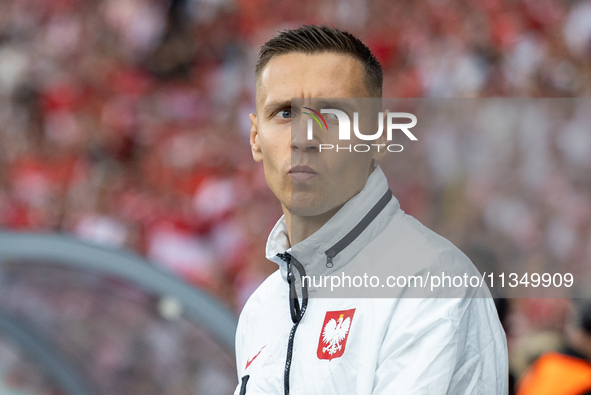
124,124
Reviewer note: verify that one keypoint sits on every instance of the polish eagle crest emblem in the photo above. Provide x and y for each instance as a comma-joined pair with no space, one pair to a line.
335,331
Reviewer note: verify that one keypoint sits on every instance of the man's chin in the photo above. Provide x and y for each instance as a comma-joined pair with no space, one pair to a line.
308,205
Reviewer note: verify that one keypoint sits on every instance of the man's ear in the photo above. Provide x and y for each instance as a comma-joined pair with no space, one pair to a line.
255,146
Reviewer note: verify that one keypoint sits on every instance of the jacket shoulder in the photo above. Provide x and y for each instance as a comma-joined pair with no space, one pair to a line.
261,301
269,289
406,247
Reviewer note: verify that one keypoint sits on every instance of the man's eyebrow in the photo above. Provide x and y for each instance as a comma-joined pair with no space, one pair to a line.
275,104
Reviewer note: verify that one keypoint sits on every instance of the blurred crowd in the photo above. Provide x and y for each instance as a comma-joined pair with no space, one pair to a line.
125,123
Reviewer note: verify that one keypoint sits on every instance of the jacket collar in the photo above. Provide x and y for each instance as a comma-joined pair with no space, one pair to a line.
311,252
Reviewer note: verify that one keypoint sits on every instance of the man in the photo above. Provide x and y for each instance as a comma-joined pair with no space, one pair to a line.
339,214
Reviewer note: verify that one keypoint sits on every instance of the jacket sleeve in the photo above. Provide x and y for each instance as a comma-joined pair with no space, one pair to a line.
443,346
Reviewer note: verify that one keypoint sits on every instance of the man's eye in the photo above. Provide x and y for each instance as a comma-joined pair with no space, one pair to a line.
284,114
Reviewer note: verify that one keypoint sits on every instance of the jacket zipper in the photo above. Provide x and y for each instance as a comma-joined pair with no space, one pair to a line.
243,385
358,229
297,312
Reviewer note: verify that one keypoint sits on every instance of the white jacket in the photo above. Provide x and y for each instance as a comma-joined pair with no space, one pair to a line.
360,345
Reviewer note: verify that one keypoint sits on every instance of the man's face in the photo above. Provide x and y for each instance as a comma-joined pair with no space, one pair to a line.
308,182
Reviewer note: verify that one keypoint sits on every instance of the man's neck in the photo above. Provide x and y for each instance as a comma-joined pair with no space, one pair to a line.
300,228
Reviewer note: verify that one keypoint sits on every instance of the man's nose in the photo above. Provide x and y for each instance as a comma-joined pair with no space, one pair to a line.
303,136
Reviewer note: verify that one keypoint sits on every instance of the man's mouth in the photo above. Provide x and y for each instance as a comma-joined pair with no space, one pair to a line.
302,173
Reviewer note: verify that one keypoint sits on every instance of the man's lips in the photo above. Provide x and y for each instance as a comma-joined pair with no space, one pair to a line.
302,173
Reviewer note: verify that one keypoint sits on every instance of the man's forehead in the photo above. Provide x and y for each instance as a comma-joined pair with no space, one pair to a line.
328,75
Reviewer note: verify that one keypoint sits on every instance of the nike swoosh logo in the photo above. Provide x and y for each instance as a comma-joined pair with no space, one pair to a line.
253,358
